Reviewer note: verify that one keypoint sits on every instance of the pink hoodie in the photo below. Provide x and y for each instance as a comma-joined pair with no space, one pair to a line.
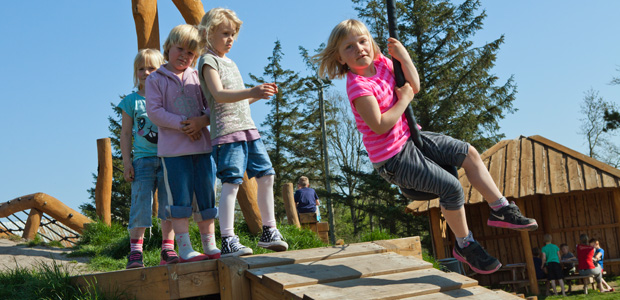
170,101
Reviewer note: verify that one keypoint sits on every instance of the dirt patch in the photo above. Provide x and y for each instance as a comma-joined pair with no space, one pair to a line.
16,254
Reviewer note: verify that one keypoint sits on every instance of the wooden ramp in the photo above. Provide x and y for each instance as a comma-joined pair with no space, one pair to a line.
391,269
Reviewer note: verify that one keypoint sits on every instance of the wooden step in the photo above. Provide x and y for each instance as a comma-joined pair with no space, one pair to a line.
390,286
470,293
283,277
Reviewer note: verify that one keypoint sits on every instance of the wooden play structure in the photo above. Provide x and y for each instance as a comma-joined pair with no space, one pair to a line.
391,269
567,192
302,220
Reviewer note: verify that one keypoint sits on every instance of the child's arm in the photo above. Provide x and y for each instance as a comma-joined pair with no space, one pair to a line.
221,95
398,51
126,127
193,126
544,260
380,123
155,108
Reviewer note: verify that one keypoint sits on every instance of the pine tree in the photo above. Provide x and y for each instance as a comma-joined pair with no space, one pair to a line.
121,189
459,96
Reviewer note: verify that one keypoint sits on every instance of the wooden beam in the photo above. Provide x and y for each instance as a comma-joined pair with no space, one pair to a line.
147,23
233,283
32,224
191,10
616,207
437,233
289,204
247,198
527,251
103,188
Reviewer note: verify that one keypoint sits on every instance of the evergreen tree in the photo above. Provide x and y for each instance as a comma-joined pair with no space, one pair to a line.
459,96
280,121
121,189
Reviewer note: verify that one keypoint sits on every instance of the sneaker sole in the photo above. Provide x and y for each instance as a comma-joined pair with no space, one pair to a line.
238,253
195,258
135,265
174,261
274,246
501,224
214,256
462,259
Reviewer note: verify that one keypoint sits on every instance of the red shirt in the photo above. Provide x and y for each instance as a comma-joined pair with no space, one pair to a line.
584,255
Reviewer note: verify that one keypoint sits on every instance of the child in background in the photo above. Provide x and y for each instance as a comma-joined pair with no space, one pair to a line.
568,265
237,143
551,260
599,256
378,107
176,105
586,266
538,265
305,197
144,171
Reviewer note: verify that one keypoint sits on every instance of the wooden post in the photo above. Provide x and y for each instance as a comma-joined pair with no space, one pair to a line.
32,224
147,23
616,205
248,204
191,10
103,188
435,219
527,251
289,204
233,283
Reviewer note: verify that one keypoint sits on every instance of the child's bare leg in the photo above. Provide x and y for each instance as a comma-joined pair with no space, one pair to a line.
457,221
167,233
168,255
562,287
207,237
555,292
137,233
181,233
479,176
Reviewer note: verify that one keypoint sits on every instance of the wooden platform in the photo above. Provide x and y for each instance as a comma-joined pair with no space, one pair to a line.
391,269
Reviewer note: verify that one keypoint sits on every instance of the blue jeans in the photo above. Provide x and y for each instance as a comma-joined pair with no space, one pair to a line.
234,159
420,170
188,178
148,176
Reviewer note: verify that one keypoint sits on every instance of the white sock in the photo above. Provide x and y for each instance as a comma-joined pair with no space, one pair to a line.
227,208
186,251
208,243
265,200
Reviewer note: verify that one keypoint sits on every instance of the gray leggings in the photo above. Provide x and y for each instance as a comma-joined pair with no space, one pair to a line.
419,170
596,272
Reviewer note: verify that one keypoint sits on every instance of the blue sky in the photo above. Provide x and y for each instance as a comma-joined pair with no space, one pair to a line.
72,58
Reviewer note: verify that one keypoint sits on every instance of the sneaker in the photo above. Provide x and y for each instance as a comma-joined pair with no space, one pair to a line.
168,257
477,258
214,254
510,217
272,239
134,260
232,247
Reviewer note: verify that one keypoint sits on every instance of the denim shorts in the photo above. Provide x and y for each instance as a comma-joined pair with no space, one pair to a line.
420,170
234,159
148,177
190,185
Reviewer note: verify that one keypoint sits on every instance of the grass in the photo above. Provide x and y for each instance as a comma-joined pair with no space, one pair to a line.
577,292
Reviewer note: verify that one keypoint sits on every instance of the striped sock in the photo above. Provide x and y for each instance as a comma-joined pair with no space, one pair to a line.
135,244
497,205
167,245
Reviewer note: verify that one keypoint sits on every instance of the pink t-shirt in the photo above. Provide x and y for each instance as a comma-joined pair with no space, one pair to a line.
380,147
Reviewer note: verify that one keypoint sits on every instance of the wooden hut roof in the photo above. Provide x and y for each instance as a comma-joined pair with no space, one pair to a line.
534,165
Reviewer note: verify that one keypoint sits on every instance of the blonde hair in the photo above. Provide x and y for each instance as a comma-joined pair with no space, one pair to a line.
329,65
186,36
146,58
212,19
303,181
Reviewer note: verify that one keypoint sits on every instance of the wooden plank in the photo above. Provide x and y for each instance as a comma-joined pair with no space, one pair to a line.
261,292
322,226
233,284
170,282
513,153
575,175
591,177
608,180
437,233
391,286
541,169
307,255
307,218
526,184
470,293
557,172
527,250
409,246
288,276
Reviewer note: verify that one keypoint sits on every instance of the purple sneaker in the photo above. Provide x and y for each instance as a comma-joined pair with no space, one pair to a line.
476,258
510,217
168,257
134,260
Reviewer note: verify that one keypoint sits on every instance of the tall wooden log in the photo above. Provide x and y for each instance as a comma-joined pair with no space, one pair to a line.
103,188
527,251
147,23
289,204
32,224
435,220
249,205
155,205
49,205
616,207
191,10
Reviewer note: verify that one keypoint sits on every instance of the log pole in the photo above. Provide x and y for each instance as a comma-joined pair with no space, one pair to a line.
103,188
